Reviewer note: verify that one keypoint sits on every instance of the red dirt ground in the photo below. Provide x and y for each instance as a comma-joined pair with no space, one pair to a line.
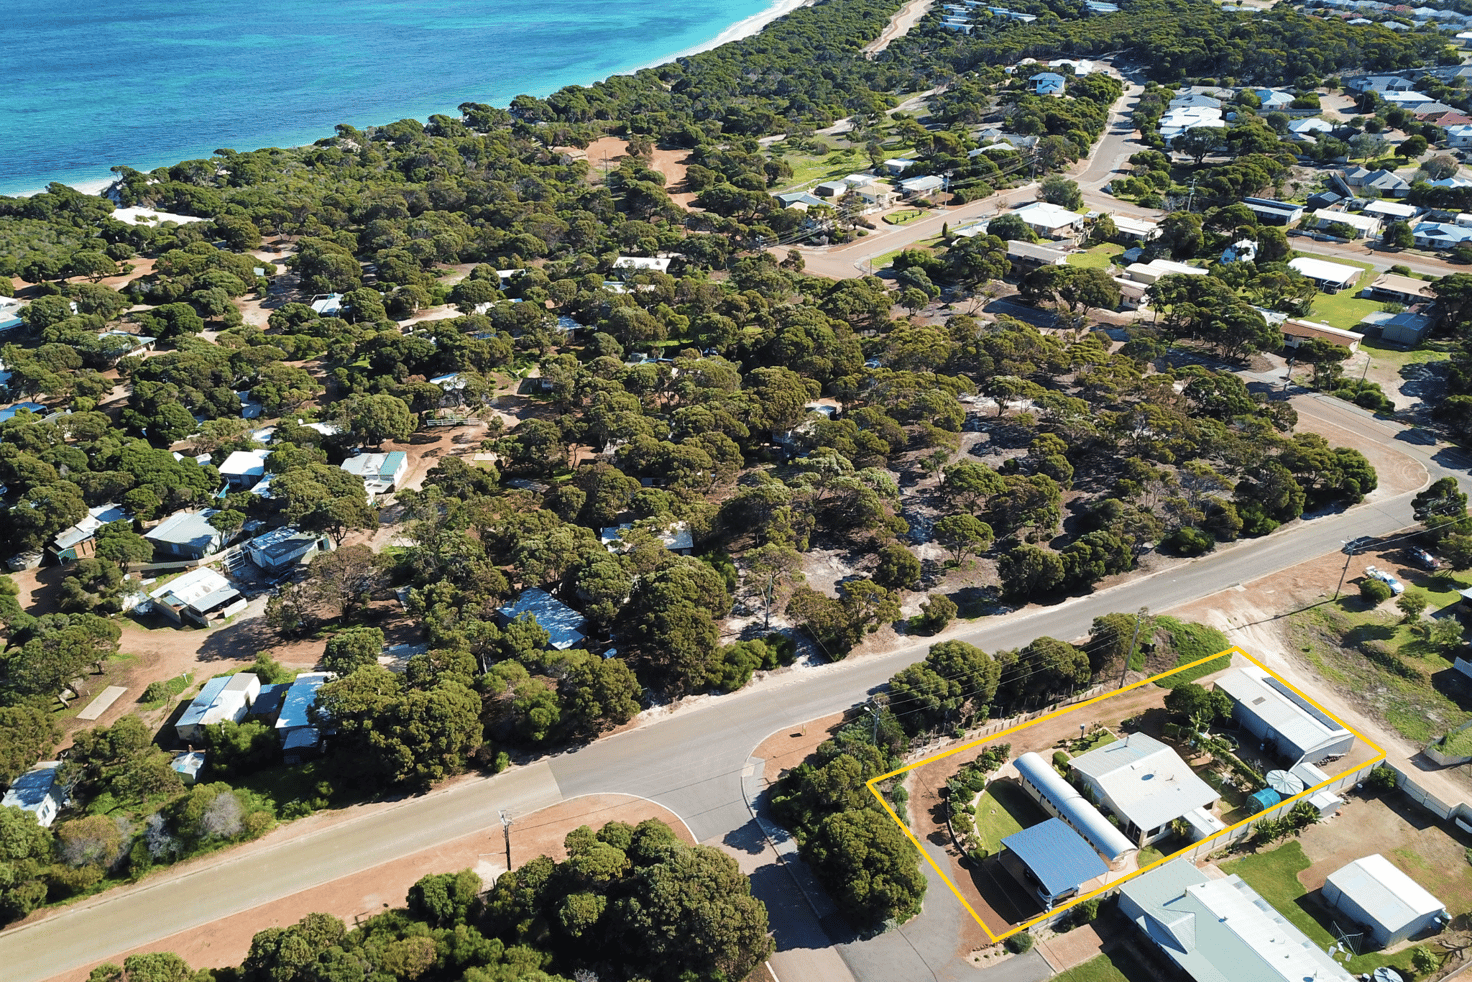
226,941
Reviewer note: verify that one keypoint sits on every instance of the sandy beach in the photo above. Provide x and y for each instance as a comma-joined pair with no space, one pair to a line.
741,29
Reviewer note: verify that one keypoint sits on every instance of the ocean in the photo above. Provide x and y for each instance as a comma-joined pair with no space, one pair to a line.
146,83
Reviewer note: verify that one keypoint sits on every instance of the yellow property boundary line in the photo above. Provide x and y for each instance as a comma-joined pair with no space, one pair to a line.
872,782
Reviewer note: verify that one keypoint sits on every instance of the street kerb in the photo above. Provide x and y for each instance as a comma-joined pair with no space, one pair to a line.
1049,915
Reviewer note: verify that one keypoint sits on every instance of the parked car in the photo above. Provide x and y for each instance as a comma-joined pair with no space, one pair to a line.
1423,559
1396,586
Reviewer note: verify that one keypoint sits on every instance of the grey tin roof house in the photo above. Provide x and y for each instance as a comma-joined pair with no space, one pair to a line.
37,792
1221,930
187,535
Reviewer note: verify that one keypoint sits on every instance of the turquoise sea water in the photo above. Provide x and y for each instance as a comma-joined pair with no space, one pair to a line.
151,82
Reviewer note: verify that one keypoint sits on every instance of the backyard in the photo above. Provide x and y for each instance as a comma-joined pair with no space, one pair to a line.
1098,257
1345,309
1118,965
1002,809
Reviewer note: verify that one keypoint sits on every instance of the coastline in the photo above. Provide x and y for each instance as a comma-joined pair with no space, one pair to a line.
741,29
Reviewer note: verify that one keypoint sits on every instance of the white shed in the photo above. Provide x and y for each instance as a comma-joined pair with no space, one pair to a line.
1386,902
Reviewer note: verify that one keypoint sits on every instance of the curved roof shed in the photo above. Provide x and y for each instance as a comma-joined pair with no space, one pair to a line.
1074,809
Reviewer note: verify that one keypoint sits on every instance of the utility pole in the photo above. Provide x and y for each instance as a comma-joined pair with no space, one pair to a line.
874,712
506,831
1139,619
1191,195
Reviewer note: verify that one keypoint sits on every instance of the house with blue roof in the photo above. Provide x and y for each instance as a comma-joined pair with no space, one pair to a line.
10,411
1052,861
38,792
1048,83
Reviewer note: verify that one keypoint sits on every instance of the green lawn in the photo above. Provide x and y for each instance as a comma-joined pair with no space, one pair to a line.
902,217
1274,875
1118,965
1002,809
1457,744
1099,257
1344,309
1383,355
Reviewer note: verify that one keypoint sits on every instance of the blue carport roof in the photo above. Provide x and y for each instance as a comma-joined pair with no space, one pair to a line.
1057,855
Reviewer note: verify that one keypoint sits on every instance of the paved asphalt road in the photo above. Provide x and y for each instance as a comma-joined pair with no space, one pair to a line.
690,761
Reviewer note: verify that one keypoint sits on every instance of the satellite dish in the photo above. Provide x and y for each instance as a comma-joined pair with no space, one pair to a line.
1284,783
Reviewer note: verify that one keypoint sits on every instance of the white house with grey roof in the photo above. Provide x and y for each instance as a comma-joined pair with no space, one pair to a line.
198,597
1147,786
78,542
226,697
380,472
1221,930
1282,719
564,626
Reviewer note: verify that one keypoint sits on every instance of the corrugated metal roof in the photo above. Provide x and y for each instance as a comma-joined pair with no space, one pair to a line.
30,790
1304,726
202,702
1145,780
187,528
299,698
563,625
1222,931
1381,890
1088,820
1057,855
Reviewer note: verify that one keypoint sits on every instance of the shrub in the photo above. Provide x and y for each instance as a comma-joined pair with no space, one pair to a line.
157,692
1382,779
1019,943
1374,592
1061,760
1188,541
